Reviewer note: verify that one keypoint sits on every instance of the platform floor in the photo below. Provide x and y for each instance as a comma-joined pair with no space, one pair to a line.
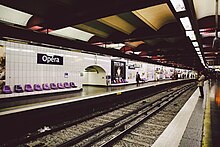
198,123
41,101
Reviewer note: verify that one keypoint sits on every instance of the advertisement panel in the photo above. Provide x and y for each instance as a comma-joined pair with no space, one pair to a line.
118,70
2,66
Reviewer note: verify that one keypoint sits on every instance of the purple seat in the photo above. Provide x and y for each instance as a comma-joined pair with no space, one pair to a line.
46,87
60,86
6,89
53,86
28,88
72,85
67,85
37,87
18,88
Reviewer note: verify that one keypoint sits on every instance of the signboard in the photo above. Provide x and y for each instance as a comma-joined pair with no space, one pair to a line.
49,59
2,66
133,66
118,70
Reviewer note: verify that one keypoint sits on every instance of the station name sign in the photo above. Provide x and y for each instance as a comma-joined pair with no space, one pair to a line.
133,66
49,59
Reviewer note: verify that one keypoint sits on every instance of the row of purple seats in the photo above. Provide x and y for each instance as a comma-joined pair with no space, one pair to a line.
119,81
37,87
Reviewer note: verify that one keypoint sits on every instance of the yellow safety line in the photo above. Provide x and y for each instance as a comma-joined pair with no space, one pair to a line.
207,138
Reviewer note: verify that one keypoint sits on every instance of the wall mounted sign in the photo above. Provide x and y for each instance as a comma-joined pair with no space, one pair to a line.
66,75
49,59
2,66
131,67
118,70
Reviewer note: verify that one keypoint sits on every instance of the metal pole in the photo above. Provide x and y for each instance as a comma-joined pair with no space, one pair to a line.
216,18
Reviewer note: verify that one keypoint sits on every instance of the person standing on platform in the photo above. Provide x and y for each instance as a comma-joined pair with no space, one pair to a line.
138,79
201,80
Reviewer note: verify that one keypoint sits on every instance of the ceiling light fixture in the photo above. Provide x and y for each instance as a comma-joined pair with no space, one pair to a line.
186,23
14,16
195,44
178,5
197,49
72,33
115,46
191,35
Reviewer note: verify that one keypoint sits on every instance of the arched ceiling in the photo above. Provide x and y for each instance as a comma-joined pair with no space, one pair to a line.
204,8
205,15
150,30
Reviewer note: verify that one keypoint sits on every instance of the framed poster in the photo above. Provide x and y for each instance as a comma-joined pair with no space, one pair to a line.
118,70
2,66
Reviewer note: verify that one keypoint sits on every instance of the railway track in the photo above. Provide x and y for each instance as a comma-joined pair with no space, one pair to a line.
118,127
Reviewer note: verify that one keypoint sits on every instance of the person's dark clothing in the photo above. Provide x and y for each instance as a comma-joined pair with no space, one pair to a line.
138,78
201,91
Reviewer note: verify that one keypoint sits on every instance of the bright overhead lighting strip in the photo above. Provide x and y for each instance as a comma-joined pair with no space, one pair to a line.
197,49
178,5
195,44
186,23
72,33
191,35
14,16
115,46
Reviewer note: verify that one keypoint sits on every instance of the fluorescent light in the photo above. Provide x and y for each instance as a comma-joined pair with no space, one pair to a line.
137,53
195,44
115,46
199,53
191,35
178,5
186,23
197,49
13,16
72,33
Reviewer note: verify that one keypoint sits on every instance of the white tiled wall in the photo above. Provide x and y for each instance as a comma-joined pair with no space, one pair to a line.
22,67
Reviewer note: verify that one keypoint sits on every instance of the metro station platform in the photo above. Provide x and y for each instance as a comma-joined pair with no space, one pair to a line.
19,104
198,122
